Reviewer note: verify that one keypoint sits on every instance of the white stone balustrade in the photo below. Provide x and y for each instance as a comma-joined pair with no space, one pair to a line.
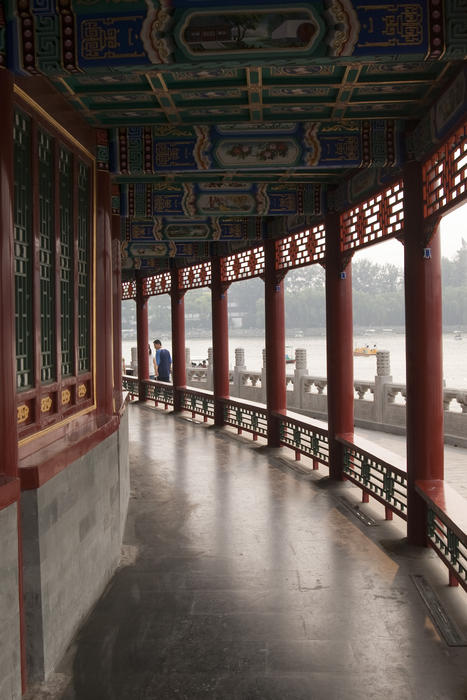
379,405
364,390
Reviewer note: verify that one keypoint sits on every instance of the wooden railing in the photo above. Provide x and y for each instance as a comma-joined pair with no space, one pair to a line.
198,402
305,436
246,415
377,405
377,476
159,392
130,384
382,475
446,527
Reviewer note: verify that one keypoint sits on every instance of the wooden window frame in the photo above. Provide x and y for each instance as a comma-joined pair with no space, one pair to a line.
46,406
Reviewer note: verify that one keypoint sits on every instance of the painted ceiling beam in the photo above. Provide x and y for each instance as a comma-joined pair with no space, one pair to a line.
136,35
212,199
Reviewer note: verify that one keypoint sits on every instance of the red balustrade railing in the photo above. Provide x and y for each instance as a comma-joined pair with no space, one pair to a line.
130,384
246,415
198,402
306,437
446,527
159,392
376,475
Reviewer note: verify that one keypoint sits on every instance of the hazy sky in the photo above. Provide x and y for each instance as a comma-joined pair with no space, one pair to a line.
453,229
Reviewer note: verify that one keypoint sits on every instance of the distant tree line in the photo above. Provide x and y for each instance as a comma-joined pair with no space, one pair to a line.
378,299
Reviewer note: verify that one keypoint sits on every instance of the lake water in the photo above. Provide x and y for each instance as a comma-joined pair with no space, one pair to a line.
454,354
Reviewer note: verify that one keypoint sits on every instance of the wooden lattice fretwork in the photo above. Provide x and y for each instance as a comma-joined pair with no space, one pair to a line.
67,282
23,238
380,217
128,290
301,249
156,284
243,265
195,276
46,189
84,268
445,173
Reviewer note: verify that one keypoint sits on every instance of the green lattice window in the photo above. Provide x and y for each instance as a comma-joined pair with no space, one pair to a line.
23,252
53,270
47,255
66,260
84,360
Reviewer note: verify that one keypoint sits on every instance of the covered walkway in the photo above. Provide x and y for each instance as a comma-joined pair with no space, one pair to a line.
245,576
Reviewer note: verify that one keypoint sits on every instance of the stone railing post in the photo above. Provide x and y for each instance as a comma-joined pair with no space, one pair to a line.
383,376
299,371
263,378
209,374
134,360
239,367
187,358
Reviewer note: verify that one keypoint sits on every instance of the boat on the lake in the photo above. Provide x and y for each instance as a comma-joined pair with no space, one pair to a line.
289,357
365,351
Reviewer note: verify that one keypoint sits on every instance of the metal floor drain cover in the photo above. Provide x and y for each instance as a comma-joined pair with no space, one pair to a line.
446,627
355,510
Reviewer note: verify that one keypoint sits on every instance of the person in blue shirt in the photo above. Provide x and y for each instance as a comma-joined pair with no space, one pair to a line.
162,362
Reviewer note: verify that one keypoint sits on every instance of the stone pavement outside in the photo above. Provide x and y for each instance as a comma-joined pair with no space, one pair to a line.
455,458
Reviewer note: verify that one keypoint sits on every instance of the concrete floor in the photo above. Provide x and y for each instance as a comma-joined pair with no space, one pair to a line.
245,576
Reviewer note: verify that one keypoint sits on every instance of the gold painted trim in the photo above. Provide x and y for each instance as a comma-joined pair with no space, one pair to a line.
66,397
67,87
45,115
22,413
82,391
46,404
160,78
162,91
30,438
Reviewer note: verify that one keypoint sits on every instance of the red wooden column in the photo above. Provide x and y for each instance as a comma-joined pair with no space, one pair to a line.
8,424
276,397
220,340
423,349
339,345
104,358
117,310
8,416
178,339
142,340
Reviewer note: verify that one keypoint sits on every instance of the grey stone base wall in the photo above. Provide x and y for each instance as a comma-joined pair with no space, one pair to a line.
10,650
72,533
124,471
